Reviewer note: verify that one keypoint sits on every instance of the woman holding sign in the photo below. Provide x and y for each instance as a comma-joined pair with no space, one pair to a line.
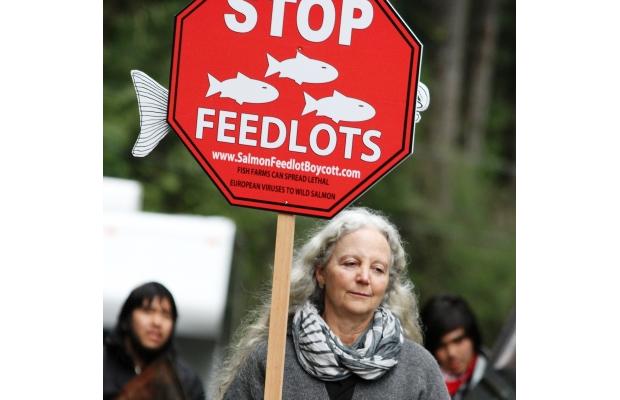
353,328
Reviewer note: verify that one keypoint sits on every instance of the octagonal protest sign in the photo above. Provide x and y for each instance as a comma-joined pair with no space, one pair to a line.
294,106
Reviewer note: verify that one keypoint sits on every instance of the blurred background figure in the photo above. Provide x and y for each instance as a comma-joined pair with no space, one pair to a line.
453,337
191,255
143,341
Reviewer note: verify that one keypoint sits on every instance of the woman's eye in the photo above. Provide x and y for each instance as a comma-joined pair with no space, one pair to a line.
379,269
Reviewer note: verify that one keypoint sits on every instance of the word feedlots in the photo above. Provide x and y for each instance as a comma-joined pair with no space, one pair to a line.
247,130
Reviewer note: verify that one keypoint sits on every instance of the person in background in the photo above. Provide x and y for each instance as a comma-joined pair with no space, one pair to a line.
353,328
452,336
143,338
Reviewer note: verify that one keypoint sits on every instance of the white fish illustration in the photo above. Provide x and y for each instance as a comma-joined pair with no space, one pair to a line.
243,89
339,107
153,108
302,69
423,99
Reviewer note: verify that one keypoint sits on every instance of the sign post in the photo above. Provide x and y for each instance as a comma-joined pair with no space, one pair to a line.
292,106
279,306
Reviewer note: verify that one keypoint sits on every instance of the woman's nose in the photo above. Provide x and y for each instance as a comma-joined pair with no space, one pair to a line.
363,276
157,318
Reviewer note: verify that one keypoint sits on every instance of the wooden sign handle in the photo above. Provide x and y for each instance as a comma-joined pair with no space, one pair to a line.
278,317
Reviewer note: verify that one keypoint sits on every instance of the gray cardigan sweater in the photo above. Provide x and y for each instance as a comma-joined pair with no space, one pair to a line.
415,377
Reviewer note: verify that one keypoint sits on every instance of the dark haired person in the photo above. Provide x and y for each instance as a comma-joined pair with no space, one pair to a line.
143,337
453,337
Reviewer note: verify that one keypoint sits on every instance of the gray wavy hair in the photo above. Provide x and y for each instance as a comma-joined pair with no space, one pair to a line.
399,297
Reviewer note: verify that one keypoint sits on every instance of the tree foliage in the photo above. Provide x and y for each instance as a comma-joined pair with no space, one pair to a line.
454,201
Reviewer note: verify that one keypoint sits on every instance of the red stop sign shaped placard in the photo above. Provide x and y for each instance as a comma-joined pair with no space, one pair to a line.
295,106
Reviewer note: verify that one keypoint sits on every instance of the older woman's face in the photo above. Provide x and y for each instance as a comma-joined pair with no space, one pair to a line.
356,275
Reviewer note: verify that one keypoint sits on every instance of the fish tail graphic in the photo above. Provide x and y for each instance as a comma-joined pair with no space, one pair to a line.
214,86
153,108
422,101
311,104
274,66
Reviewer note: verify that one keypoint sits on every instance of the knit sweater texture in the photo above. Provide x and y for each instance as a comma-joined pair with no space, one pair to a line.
415,377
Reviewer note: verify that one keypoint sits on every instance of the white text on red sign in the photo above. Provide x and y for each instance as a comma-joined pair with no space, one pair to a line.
348,21
247,130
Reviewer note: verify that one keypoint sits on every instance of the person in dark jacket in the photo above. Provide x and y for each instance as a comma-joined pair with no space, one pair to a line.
452,336
143,341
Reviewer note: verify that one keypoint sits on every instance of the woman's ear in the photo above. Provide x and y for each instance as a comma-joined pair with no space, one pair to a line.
319,274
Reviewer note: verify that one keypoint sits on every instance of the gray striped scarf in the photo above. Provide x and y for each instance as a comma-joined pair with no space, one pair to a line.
324,356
